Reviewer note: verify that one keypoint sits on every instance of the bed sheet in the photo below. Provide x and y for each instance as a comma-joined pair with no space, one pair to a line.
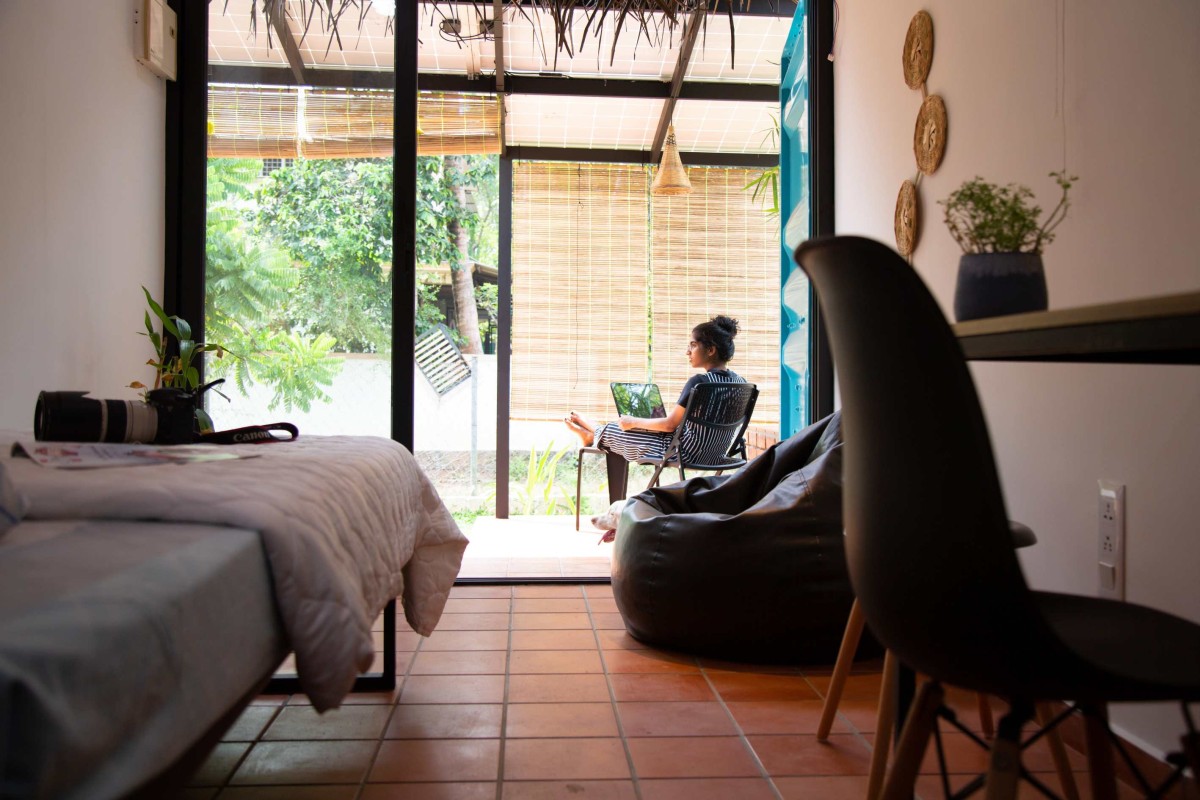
121,643
347,523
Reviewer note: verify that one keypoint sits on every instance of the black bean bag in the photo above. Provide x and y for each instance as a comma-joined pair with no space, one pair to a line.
749,566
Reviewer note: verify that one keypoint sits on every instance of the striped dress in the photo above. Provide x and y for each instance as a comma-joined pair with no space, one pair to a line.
634,445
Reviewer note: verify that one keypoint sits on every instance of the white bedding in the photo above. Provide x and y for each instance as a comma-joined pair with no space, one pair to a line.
346,522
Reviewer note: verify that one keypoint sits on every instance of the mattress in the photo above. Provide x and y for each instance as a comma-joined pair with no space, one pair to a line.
121,643
347,524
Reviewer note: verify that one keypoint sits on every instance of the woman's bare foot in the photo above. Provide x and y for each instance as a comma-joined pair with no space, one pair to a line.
585,434
582,422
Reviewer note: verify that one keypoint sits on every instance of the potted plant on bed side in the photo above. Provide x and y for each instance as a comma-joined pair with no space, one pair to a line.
1002,239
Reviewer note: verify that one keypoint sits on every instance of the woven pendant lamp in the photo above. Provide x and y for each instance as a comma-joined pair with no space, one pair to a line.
672,176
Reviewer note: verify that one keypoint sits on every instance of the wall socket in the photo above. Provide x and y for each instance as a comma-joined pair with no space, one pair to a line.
1111,552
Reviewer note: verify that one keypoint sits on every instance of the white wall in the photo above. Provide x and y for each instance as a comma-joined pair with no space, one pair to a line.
1114,89
81,200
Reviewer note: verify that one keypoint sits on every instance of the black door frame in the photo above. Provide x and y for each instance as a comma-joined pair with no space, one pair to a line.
185,209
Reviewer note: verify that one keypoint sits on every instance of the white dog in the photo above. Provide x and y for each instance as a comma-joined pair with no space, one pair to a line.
608,519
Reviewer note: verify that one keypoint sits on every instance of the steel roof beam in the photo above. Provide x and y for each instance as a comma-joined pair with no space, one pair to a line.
515,84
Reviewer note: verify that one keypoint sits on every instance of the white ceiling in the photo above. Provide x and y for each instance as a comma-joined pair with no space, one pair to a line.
529,48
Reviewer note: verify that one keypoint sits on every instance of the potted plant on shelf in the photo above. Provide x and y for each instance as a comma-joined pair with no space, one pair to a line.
998,228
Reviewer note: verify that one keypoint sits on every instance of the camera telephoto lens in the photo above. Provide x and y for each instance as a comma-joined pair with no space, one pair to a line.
72,417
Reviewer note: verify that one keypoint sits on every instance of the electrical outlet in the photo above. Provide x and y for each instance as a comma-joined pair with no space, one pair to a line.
1111,552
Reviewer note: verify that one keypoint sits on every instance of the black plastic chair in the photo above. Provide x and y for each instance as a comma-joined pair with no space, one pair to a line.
717,417
927,539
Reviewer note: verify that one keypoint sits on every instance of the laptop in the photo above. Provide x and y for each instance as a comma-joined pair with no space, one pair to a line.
638,399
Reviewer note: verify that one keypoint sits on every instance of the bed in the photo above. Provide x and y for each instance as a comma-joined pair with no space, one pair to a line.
140,607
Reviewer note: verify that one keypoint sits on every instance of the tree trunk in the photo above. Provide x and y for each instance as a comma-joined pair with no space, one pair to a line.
465,312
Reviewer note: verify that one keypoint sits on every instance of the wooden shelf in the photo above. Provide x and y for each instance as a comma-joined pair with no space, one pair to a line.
1155,330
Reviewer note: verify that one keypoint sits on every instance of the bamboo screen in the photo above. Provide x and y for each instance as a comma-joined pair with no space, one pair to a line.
715,251
579,255
608,283
290,122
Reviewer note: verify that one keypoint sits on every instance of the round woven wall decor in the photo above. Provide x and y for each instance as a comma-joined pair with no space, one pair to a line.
906,219
929,137
918,49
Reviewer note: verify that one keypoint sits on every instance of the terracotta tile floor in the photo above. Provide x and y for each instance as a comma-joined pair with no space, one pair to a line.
531,692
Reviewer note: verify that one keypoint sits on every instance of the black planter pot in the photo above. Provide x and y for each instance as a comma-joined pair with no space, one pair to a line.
995,284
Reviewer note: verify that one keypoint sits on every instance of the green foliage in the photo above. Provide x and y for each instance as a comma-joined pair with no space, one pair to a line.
539,493
334,217
437,206
467,516
766,185
429,315
296,367
987,218
487,299
249,283
178,370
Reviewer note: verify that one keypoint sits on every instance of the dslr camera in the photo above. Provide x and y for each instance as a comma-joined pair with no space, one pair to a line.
168,416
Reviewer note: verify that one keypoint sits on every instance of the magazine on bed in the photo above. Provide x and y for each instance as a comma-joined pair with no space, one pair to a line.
86,455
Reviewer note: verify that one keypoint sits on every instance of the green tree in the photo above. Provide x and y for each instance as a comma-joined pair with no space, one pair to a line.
248,282
334,218
448,226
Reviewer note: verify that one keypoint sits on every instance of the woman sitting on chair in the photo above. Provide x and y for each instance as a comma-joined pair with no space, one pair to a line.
634,438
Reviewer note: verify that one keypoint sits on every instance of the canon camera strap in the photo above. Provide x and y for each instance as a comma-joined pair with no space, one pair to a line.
252,434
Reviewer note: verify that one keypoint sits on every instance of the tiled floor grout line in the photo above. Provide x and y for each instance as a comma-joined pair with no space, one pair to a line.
612,696
512,613
257,738
762,768
362,784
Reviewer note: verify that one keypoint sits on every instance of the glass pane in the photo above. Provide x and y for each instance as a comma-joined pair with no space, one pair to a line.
455,393
298,289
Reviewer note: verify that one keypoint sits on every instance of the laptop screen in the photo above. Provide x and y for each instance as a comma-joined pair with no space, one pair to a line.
638,399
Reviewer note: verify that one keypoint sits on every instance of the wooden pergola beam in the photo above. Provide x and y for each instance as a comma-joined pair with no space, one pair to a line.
681,65
291,50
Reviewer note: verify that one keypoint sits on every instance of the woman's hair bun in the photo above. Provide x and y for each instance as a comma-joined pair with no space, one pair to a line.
728,325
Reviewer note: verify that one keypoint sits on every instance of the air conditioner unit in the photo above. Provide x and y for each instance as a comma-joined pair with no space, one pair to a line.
156,36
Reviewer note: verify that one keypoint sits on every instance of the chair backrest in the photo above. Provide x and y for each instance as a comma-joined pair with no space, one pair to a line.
928,545
715,421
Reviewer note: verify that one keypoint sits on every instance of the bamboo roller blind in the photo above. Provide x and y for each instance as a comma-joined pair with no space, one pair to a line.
579,254
715,251
294,122
601,268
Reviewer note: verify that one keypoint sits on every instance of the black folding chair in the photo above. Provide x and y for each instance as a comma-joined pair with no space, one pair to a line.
712,436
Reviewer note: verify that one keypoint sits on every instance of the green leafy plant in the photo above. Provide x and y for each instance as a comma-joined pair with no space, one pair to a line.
539,492
766,185
176,370
985,217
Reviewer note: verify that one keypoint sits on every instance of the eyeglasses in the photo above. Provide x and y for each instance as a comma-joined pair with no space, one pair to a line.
693,344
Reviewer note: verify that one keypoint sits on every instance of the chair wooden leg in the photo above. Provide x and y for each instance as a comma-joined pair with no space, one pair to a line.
910,750
1062,765
845,659
985,715
1099,753
1004,762
885,723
